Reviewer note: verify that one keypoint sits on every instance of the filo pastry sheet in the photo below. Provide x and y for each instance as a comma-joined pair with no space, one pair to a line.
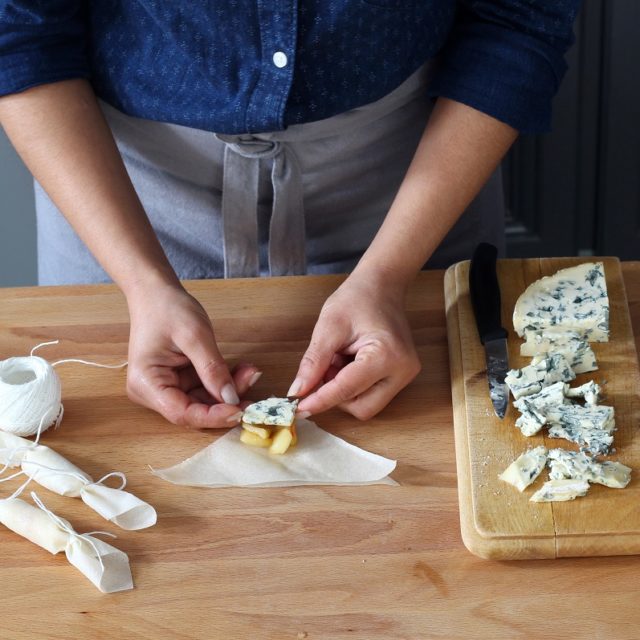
319,458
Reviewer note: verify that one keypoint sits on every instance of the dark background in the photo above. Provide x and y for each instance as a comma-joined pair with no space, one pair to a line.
575,191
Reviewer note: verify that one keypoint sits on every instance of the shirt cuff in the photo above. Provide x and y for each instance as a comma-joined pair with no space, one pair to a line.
25,69
506,74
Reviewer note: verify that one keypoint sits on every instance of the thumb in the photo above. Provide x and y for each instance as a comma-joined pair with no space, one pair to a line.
327,338
211,367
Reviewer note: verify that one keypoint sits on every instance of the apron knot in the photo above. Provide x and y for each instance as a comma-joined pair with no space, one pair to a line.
249,146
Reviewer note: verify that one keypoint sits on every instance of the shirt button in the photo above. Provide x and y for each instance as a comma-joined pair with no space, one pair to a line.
280,59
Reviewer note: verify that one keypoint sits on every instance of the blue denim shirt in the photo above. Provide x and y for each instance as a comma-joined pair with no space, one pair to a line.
238,66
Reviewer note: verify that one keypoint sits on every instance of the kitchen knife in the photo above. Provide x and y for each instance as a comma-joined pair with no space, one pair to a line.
485,298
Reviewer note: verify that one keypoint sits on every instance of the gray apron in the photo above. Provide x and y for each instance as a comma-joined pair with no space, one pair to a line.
308,199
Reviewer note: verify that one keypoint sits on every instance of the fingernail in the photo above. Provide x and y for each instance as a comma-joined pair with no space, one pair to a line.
304,414
229,394
294,389
235,417
254,378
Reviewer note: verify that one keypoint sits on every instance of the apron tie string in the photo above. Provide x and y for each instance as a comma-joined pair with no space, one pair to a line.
286,253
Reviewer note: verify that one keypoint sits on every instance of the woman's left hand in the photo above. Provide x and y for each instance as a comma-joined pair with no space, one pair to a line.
361,352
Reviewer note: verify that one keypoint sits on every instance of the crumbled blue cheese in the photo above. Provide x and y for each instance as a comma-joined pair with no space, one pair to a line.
539,374
526,468
590,392
534,408
577,465
575,299
570,344
588,426
560,491
278,412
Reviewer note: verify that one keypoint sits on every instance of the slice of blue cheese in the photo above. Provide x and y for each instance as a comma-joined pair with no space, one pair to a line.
526,468
560,491
574,299
533,408
578,465
570,344
275,412
541,373
589,426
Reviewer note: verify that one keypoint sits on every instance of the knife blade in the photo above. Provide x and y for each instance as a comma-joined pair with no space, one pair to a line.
485,299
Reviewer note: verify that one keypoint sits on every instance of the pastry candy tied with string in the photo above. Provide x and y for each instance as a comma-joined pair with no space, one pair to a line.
56,473
107,567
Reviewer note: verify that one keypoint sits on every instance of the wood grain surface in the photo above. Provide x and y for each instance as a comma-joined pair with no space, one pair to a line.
497,521
310,563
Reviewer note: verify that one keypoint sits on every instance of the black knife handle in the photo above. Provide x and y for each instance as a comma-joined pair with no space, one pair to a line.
485,292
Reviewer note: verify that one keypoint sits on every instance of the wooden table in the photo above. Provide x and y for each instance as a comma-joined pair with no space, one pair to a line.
305,562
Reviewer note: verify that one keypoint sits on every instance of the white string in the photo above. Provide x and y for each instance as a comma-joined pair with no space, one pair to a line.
12,476
73,474
101,533
20,489
71,531
114,473
39,429
43,344
65,472
62,472
93,364
10,459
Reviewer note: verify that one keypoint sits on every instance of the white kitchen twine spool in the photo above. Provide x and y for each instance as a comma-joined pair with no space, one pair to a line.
31,392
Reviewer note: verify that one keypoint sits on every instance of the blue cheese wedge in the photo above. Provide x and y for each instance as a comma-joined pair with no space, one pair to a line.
525,469
590,427
577,465
570,344
574,299
540,373
533,408
560,491
275,412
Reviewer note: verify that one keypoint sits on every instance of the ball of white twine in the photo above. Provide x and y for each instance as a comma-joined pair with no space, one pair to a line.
30,395
31,392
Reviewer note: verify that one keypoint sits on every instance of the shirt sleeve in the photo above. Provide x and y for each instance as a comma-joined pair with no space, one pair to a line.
41,41
506,58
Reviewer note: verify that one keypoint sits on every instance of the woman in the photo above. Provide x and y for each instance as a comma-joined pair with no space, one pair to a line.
245,139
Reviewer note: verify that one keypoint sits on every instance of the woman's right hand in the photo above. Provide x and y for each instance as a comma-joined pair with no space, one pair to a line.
175,367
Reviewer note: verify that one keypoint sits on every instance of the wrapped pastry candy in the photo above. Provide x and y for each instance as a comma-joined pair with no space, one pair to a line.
107,567
56,473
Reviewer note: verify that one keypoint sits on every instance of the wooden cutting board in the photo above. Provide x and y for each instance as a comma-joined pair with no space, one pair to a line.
497,521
